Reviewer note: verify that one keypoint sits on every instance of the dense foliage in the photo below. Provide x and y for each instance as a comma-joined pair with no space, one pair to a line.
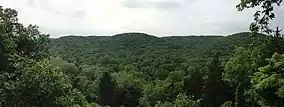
136,69
27,76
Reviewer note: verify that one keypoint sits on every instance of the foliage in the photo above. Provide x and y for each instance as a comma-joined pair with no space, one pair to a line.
181,101
269,82
227,104
214,91
262,16
27,77
40,84
137,69
238,71
238,68
107,90
152,69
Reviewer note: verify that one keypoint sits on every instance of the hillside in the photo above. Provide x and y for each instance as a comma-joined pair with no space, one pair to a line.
95,48
151,68
142,70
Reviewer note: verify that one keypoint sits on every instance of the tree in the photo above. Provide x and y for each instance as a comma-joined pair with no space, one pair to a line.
27,78
181,100
19,42
88,81
193,82
153,93
67,68
265,48
40,84
214,91
3,57
129,86
263,16
107,90
237,73
268,82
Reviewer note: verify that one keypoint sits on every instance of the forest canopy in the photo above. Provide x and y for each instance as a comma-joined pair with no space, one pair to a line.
141,70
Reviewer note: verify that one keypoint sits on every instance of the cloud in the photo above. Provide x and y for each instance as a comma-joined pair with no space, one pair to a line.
31,2
161,4
282,7
157,17
67,8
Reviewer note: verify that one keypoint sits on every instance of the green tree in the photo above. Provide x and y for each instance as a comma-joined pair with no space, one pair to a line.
129,86
238,70
262,16
268,82
27,77
107,91
19,42
40,84
153,93
214,91
193,82
181,101
67,68
88,81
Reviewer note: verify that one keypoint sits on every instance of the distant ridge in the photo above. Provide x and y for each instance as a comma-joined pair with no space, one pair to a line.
128,44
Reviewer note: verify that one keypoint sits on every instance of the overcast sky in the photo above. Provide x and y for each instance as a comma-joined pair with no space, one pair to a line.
156,17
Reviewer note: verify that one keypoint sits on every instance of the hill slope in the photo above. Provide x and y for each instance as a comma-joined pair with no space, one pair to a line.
152,67
139,46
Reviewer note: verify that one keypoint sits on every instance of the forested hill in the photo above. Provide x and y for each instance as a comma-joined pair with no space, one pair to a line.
96,48
141,70
135,69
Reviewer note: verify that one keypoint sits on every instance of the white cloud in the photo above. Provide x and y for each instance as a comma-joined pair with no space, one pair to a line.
282,7
108,17
160,4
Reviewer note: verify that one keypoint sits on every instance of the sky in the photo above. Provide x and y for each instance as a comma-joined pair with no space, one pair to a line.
155,17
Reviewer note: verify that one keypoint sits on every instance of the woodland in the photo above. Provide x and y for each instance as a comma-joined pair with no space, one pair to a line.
133,69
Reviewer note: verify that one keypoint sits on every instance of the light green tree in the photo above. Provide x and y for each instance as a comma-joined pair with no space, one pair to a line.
268,82
238,70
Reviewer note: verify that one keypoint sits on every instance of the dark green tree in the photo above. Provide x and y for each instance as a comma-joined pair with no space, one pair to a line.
193,83
214,93
19,42
131,95
107,90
